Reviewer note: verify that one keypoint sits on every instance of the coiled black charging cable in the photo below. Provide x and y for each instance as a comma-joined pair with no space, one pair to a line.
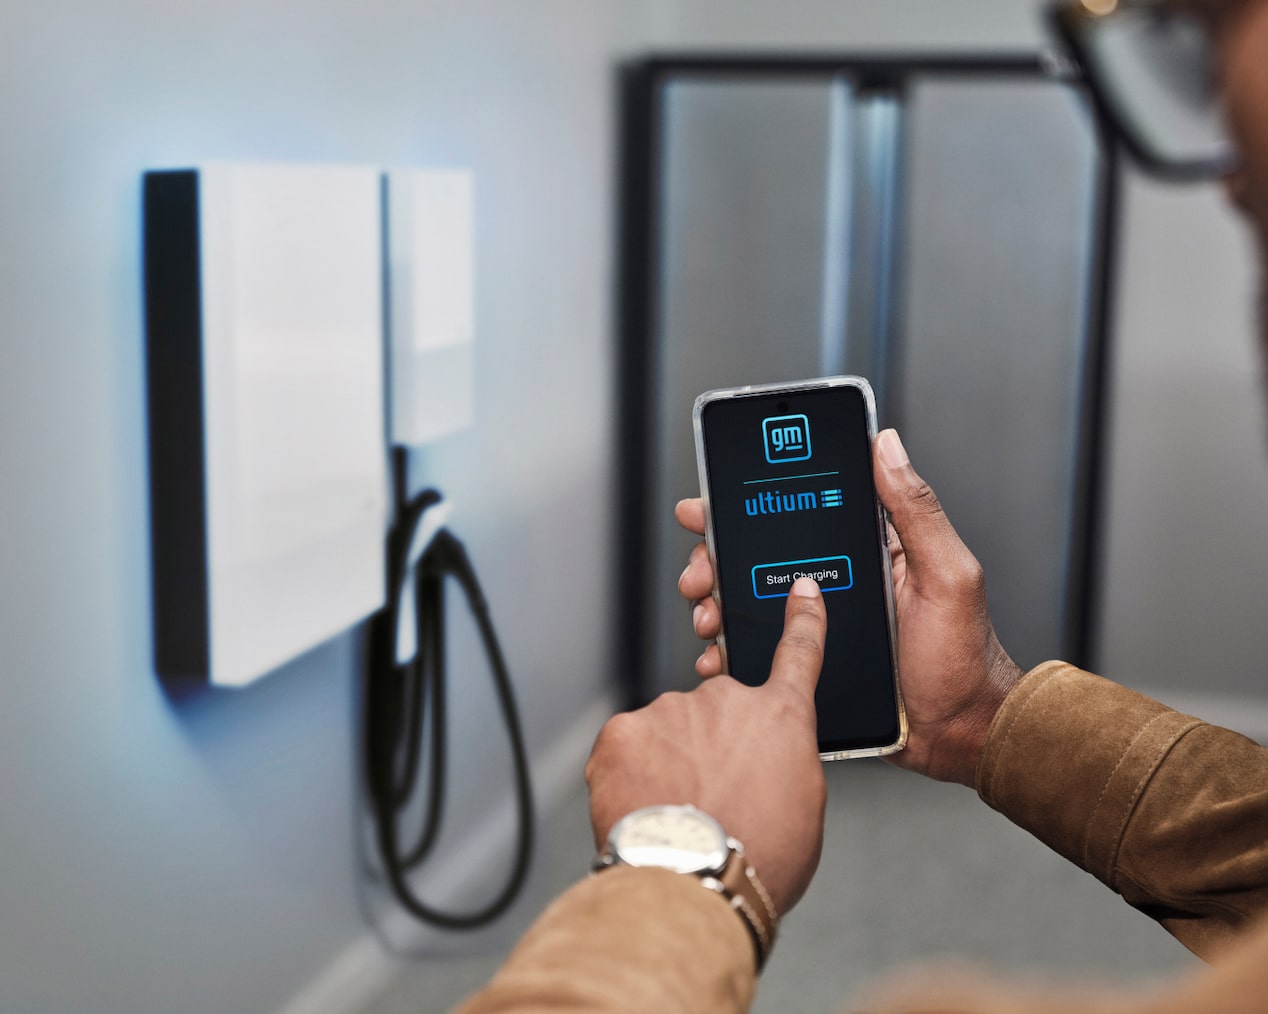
402,695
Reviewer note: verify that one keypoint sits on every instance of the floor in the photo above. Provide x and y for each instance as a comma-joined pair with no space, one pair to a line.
911,869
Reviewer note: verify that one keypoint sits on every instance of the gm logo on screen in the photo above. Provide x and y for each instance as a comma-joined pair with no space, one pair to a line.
787,438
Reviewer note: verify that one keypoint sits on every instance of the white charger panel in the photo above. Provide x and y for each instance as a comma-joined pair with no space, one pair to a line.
431,285
268,457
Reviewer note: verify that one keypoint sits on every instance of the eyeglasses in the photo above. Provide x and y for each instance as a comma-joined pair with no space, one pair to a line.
1150,66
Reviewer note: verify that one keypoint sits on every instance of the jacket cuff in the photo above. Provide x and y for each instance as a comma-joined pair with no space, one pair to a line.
628,939
1068,756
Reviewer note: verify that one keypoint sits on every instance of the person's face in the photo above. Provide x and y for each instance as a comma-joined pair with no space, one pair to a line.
1242,44
1241,35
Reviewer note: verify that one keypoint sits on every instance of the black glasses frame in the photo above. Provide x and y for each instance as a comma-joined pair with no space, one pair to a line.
1067,20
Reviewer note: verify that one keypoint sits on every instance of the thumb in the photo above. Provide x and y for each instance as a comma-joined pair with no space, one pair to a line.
928,538
799,654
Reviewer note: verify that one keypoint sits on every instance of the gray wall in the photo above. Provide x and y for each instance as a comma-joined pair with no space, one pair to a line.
198,855
1187,554
163,855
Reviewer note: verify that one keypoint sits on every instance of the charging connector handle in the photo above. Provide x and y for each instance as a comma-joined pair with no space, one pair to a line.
426,526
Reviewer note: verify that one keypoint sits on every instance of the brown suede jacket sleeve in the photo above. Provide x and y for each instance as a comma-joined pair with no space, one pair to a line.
1166,810
629,940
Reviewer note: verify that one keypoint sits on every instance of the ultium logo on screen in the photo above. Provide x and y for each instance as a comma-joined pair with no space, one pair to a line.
787,438
774,502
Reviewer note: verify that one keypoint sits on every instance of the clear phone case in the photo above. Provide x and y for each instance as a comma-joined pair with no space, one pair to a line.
702,464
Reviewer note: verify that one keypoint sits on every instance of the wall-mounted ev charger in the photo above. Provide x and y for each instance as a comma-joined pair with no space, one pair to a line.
269,489
268,291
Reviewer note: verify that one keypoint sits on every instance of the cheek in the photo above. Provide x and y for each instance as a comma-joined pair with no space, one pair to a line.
1245,74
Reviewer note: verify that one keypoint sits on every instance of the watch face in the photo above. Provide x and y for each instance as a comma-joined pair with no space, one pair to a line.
679,838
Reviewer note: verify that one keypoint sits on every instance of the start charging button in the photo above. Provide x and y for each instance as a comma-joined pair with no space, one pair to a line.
832,573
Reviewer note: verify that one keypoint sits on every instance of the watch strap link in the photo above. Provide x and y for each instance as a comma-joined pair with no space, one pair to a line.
739,885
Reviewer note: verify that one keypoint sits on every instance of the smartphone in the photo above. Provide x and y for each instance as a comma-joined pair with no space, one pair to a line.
786,478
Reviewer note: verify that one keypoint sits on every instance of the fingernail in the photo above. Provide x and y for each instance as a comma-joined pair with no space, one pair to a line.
891,450
805,587
683,574
696,613
701,658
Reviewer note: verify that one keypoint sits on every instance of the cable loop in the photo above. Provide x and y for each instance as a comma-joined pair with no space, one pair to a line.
406,688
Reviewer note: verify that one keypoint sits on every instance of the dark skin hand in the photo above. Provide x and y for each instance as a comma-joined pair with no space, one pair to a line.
953,670
748,756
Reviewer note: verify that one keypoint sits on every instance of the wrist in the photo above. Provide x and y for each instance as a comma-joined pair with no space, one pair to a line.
948,747
687,841
1002,675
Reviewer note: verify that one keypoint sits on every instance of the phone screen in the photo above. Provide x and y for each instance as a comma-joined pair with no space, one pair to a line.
790,493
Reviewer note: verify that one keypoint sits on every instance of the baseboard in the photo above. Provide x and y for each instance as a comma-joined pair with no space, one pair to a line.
349,983
364,969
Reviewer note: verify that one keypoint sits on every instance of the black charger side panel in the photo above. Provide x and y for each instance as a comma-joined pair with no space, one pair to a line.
174,339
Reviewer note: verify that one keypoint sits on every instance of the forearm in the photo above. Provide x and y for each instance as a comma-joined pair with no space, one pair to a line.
627,940
1168,811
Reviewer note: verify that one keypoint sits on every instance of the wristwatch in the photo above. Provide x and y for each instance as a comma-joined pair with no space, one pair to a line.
689,841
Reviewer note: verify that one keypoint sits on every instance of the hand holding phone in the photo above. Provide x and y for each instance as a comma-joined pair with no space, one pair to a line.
786,479
955,673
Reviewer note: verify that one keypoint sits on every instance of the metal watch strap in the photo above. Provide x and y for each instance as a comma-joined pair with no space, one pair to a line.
745,893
